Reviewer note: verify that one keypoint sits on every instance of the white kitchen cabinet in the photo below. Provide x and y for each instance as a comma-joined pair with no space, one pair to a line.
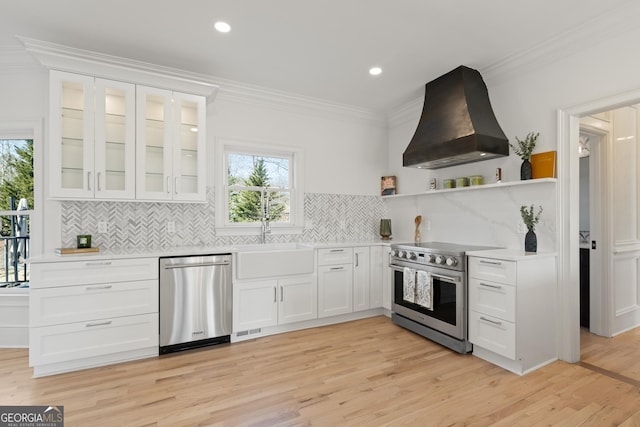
263,303
335,281
92,137
387,278
361,278
170,145
86,313
376,276
512,308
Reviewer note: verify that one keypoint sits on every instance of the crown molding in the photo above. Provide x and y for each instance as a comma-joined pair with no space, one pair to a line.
608,25
289,102
64,58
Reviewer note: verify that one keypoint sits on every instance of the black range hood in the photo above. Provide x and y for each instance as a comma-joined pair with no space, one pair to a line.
457,125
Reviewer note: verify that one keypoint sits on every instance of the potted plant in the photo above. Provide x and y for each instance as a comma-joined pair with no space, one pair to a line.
530,220
523,149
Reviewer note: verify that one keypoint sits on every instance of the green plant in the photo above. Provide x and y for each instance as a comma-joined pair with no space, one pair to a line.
529,219
525,147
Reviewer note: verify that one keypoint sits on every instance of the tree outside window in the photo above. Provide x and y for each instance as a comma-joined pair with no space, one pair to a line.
255,181
16,196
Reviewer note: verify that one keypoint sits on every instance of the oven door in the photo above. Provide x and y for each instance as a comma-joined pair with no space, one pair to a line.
448,296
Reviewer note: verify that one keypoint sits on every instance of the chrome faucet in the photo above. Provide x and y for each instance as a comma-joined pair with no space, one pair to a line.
264,208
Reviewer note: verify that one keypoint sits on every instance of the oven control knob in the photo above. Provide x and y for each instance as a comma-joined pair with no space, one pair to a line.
439,259
401,254
412,255
394,252
431,259
451,261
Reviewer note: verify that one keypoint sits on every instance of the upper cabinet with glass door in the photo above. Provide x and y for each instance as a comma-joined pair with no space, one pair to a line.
92,132
170,145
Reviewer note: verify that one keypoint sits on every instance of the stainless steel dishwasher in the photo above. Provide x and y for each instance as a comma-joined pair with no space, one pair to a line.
195,301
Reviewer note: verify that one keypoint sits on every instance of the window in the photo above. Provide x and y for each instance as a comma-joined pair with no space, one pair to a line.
259,184
16,204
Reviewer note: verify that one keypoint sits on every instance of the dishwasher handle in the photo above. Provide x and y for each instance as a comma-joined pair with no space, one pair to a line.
201,264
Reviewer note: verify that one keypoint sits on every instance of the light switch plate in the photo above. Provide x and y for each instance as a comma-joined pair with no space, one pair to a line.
171,227
103,227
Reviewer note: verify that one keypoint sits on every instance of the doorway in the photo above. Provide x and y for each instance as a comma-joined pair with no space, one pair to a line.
569,218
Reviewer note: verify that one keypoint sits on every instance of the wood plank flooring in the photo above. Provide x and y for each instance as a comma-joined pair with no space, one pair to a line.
363,373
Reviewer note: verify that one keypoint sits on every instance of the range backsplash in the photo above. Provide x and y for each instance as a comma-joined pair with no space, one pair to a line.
328,218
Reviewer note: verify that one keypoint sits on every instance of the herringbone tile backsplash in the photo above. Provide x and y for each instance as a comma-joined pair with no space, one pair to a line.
328,217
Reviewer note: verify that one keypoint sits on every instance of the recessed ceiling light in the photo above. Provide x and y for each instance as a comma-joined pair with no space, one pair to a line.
375,71
222,27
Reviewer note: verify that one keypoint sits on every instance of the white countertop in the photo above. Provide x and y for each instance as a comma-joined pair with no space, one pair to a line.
191,250
510,254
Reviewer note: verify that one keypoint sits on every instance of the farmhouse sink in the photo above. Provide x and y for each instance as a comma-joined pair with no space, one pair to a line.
270,260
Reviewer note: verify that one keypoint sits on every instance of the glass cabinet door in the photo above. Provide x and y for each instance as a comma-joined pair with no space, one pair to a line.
115,140
188,158
72,135
154,175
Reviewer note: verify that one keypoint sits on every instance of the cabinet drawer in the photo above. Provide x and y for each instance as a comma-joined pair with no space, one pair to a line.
495,299
65,273
54,306
73,341
335,256
494,270
493,334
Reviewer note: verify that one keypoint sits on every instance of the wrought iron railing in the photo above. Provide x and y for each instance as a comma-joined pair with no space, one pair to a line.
14,270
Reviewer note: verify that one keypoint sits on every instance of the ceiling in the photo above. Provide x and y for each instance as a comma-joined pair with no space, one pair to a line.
320,49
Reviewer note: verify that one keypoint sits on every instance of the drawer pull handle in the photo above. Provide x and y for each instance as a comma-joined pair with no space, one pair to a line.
336,268
336,250
490,321
486,285
91,325
484,261
94,288
97,264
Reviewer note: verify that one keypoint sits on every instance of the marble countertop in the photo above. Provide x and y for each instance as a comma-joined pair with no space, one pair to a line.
193,250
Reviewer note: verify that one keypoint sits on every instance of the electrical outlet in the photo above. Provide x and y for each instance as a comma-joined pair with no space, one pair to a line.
343,224
428,225
171,227
520,227
103,227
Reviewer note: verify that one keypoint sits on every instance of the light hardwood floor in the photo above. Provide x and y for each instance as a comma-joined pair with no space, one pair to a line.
363,373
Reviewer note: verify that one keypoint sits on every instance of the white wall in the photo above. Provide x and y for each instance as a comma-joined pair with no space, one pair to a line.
343,154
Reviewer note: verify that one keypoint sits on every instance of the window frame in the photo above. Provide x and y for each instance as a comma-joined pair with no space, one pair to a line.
296,191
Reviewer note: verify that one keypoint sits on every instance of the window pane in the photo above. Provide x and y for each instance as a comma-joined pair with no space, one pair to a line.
280,206
244,206
258,171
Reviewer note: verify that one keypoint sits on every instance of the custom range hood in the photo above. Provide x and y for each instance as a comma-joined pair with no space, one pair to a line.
457,125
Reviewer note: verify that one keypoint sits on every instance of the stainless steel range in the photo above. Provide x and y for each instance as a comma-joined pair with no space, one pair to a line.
430,291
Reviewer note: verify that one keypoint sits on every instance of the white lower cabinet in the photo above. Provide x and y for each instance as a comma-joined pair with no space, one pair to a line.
386,278
512,309
361,278
83,340
263,303
91,313
335,281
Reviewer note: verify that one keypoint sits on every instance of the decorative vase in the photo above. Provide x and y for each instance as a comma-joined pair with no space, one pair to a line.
530,241
385,229
525,170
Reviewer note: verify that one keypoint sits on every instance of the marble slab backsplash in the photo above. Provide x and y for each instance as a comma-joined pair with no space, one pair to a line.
328,218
